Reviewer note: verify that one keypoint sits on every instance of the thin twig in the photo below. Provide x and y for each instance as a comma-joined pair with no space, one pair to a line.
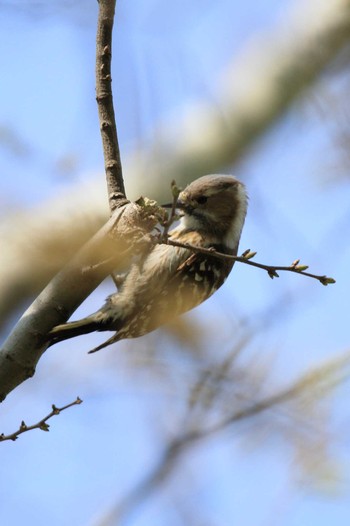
104,97
246,258
175,190
42,424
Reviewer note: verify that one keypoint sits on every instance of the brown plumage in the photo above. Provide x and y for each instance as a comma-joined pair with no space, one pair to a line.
172,280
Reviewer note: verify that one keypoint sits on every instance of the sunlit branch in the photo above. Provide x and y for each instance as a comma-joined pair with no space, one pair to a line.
104,97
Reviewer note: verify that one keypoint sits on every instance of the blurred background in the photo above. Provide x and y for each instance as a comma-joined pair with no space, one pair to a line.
238,412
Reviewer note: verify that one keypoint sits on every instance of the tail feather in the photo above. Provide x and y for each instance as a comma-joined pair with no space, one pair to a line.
72,329
111,340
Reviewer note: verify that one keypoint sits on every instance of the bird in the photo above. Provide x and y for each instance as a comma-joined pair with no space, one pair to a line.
171,280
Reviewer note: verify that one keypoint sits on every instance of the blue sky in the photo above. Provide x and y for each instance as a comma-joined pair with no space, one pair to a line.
165,57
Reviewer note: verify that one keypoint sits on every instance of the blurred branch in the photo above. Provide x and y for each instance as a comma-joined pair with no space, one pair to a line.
26,343
104,97
256,89
42,424
317,382
259,87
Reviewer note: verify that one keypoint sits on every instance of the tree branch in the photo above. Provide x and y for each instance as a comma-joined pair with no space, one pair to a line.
246,258
104,98
68,289
260,85
42,424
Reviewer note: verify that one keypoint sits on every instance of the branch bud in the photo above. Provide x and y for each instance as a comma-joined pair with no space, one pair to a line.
250,255
44,426
175,190
301,268
326,281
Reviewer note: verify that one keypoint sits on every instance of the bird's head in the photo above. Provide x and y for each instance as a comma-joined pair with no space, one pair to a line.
216,204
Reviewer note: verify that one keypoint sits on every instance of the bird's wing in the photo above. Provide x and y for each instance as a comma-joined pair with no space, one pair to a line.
169,281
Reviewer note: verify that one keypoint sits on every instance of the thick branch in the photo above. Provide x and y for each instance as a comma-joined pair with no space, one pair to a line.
67,290
104,97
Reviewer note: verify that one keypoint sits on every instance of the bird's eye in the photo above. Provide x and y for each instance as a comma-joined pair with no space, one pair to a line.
202,199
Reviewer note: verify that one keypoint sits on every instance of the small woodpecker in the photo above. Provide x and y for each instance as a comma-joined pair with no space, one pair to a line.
171,280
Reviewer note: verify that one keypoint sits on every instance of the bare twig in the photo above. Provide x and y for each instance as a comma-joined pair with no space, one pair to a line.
172,216
42,424
104,97
248,255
